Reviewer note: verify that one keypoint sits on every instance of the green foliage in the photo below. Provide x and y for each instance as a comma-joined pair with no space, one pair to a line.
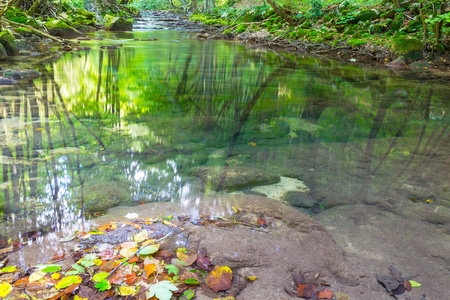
172,269
354,42
241,28
103,285
149,5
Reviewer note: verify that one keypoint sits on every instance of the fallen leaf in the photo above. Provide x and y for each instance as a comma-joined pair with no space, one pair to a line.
22,282
147,250
342,296
261,221
58,256
106,254
172,269
162,290
127,252
141,236
414,283
253,144
5,289
306,290
325,294
299,278
100,276
149,269
107,266
36,286
203,263
188,295
36,276
68,281
9,269
407,285
56,276
128,245
127,290
220,278
130,278
103,285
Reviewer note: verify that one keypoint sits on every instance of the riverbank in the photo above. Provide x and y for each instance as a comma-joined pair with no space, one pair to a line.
379,35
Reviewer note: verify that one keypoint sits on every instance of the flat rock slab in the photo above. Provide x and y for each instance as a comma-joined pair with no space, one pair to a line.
291,243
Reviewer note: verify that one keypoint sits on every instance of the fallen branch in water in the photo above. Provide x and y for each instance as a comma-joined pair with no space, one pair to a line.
61,41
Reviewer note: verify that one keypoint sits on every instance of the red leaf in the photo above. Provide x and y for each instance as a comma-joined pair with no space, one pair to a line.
325,294
407,285
106,254
130,278
306,291
203,263
220,278
58,256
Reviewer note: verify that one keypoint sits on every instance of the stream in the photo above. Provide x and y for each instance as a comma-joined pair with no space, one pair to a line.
362,150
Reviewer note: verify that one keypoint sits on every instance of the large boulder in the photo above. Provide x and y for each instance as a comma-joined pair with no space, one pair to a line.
105,195
61,29
3,53
233,178
18,16
408,47
366,15
8,42
118,24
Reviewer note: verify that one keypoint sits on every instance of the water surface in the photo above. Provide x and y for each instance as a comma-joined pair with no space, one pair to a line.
125,126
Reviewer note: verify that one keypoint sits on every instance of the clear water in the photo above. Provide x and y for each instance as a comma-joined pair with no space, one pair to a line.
102,128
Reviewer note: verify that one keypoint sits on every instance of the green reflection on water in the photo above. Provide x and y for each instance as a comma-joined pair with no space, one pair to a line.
109,127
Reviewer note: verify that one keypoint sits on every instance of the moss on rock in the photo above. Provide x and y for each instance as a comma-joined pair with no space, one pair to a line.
118,24
60,28
8,42
408,47
18,16
24,31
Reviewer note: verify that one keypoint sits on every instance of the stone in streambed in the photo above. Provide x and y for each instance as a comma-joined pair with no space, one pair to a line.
118,24
105,195
233,178
61,29
410,48
8,42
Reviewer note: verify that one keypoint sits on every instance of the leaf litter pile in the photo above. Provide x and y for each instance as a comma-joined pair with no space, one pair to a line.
127,260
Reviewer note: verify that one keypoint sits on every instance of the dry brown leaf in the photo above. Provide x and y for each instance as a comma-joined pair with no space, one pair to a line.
220,278
325,294
306,291
128,245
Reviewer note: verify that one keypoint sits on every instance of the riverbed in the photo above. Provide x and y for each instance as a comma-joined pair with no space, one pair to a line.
361,150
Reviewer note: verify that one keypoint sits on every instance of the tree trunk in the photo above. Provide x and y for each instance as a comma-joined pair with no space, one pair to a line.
282,14
35,6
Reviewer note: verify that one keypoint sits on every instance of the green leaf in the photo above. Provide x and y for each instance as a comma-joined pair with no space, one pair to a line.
162,290
184,250
414,283
9,269
68,281
100,276
192,281
171,269
88,260
149,250
51,269
103,285
188,295
77,269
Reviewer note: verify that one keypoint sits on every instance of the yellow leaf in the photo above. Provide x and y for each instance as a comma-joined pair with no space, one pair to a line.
429,201
125,290
252,144
5,289
56,276
251,278
141,236
79,298
165,222
147,242
127,252
181,256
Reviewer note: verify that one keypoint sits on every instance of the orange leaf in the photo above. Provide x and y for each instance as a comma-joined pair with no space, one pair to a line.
133,259
104,227
306,291
22,282
58,256
130,278
325,294
137,226
220,278
149,269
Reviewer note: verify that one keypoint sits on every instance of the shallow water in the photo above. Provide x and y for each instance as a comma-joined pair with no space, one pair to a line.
125,126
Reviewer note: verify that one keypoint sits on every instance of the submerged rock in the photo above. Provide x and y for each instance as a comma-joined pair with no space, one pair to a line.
105,195
233,178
